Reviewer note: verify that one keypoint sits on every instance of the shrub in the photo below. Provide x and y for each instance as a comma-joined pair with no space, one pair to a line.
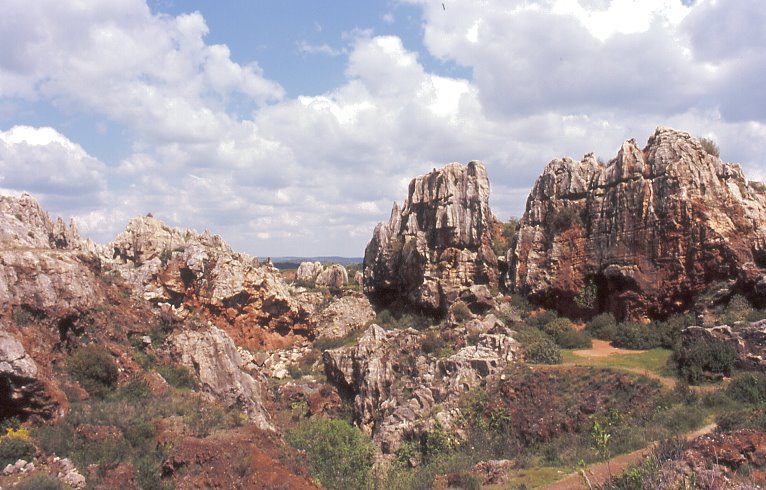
539,321
538,347
177,376
738,310
13,449
710,147
602,326
748,388
93,367
339,455
588,297
40,482
572,339
461,312
566,218
704,356
636,336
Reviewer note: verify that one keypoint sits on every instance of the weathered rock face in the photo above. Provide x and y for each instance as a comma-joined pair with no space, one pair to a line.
23,391
748,340
44,265
187,270
308,271
399,390
643,235
437,245
213,357
343,315
334,277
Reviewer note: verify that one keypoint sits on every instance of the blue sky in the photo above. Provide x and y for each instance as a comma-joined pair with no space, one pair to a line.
289,128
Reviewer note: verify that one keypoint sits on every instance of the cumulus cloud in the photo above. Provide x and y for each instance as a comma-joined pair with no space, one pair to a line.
44,162
312,174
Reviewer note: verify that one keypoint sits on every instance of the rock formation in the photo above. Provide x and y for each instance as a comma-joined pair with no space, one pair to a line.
400,386
308,271
437,245
213,357
188,270
643,235
334,277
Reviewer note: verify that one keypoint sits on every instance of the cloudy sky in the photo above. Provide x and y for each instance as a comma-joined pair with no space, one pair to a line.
289,128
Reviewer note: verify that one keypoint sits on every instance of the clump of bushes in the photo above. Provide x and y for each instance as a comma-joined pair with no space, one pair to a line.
602,326
93,367
566,218
339,455
15,445
636,336
563,333
748,388
40,482
703,357
539,347
177,376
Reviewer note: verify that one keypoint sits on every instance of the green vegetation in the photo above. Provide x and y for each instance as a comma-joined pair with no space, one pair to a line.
539,347
654,361
566,218
339,455
177,376
14,447
93,367
40,482
504,236
710,147
703,356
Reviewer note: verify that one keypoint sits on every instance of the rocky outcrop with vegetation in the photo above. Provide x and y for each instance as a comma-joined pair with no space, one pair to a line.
642,236
191,271
437,245
403,382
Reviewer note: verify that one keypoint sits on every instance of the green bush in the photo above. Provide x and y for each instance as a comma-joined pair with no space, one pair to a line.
13,449
636,336
538,347
93,367
339,455
539,321
40,482
177,376
704,356
738,310
566,218
572,339
748,388
602,326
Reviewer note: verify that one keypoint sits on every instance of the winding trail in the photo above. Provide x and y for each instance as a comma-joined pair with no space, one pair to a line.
599,473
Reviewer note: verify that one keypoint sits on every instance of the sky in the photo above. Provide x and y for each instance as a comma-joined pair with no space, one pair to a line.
291,127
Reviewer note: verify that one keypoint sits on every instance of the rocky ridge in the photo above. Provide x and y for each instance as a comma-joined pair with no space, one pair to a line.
437,244
189,271
642,236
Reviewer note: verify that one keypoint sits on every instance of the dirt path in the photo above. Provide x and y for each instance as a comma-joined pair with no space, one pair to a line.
602,348
599,473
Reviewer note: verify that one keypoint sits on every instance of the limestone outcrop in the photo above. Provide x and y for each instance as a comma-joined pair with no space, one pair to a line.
23,389
403,381
213,357
334,277
437,245
192,271
642,236
308,271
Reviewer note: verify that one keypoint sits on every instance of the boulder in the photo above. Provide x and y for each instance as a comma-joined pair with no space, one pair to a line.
334,277
437,245
213,357
308,271
24,391
642,236
343,315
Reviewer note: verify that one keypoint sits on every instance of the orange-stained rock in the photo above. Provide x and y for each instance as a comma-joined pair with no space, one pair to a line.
645,234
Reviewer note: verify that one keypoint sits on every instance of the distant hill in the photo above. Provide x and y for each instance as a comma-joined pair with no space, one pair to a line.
293,262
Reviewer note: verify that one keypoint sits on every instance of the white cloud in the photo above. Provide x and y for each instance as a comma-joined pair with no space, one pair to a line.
44,162
312,174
